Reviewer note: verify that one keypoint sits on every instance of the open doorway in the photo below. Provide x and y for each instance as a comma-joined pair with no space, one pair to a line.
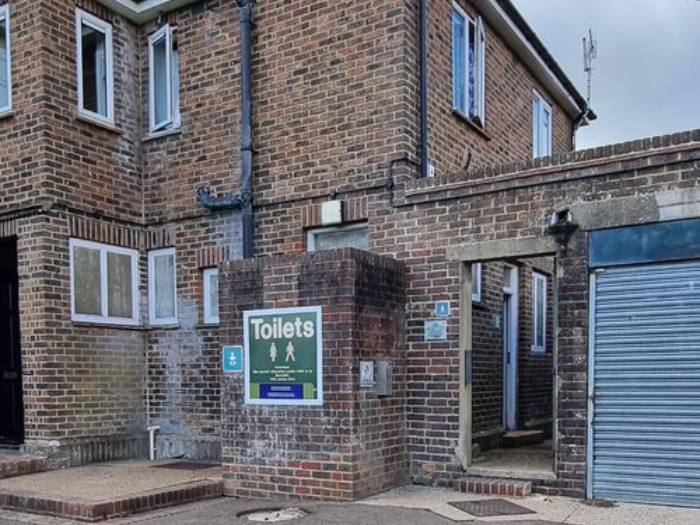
11,405
512,365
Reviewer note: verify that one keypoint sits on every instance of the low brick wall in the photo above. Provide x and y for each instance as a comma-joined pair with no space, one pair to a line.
355,444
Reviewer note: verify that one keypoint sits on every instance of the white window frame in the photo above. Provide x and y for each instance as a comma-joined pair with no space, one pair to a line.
105,249
462,107
476,282
209,318
5,16
81,17
537,323
311,234
152,318
172,119
541,137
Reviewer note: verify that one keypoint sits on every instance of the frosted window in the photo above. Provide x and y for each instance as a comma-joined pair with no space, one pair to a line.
4,59
341,238
88,288
119,285
211,296
162,287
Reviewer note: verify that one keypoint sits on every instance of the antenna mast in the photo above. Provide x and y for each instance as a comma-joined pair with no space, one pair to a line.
590,53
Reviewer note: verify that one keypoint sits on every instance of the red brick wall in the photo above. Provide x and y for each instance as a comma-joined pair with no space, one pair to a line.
352,446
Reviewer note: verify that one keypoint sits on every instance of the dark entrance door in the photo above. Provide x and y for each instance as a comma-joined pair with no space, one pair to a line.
11,407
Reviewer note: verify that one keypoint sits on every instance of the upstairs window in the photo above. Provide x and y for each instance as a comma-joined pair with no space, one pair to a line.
104,283
541,127
468,66
5,80
539,313
95,74
163,80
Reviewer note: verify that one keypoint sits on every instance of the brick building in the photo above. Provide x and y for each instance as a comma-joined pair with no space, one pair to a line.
118,113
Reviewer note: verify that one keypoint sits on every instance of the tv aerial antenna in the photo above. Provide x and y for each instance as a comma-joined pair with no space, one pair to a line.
590,53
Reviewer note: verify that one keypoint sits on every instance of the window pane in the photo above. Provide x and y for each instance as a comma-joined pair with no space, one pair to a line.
94,71
176,85
213,295
458,61
540,306
4,62
119,286
160,81
472,70
331,240
86,281
164,268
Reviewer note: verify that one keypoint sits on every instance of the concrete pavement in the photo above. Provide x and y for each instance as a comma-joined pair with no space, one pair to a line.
405,506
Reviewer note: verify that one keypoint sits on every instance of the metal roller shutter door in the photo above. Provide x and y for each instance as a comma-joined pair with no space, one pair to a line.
646,379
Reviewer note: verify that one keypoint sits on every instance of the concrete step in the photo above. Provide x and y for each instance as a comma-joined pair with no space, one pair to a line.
494,487
522,438
12,464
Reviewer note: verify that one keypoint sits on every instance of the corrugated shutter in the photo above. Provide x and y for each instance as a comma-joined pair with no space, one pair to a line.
646,417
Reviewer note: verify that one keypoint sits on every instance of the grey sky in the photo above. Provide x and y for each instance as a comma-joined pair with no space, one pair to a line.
647,76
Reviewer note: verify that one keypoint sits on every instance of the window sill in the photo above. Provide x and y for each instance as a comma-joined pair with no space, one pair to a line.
155,135
107,326
169,326
205,326
6,113
461,116
97,122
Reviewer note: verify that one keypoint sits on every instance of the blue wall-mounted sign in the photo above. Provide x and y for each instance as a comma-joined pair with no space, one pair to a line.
442,309
233,359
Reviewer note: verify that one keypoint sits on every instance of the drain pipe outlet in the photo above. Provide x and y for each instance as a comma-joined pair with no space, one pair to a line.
152,449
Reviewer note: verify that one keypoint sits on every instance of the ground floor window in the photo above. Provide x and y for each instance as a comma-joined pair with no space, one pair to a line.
211,296
162,287
104,283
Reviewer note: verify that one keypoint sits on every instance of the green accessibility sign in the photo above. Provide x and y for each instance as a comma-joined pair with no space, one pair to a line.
283,356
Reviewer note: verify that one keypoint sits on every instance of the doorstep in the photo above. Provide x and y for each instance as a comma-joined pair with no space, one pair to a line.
107,490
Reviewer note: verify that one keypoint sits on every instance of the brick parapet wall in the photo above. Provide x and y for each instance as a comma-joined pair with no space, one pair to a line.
352,446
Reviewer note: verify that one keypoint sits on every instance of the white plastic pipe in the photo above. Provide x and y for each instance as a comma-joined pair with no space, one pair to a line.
152,441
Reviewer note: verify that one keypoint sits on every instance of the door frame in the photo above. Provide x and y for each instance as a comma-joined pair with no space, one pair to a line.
511,311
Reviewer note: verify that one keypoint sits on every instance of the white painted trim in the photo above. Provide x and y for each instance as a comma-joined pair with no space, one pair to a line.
536,349
318,310
5,16
152,319
479,68
510,346
164,33
505,27
207,274
144,11
81,17
103,250
311,234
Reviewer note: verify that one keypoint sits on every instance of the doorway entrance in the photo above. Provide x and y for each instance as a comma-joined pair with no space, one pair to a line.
11,406
510,347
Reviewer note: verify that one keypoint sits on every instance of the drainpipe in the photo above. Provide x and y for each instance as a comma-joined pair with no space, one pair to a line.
242,200
424,151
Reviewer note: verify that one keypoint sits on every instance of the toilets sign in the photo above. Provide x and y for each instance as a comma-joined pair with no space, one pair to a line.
283,356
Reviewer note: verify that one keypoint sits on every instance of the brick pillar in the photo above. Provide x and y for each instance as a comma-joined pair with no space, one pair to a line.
355,444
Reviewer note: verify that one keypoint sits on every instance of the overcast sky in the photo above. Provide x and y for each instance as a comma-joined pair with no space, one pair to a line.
647,75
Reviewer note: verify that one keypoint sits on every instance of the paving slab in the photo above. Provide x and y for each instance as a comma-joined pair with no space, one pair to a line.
103,490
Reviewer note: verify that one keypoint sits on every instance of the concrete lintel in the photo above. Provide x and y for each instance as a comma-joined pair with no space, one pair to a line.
503,249
614,213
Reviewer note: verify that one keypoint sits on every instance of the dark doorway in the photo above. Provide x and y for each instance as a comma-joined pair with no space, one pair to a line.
11,405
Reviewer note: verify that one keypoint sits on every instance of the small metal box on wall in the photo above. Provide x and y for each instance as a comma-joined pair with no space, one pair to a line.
385,377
